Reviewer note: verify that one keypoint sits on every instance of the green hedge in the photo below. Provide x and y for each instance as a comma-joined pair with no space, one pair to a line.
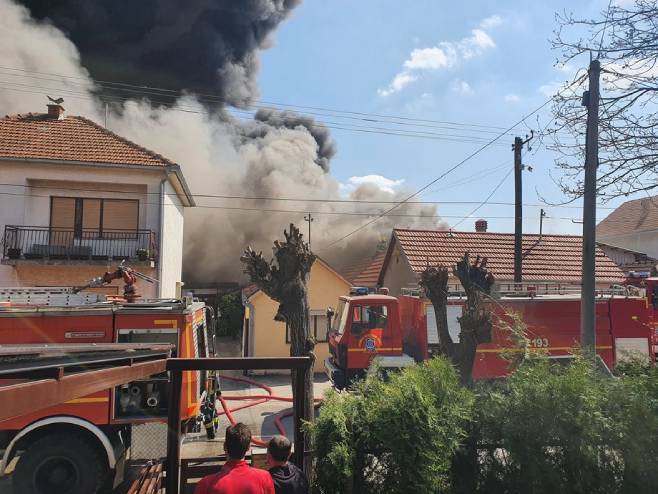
392,436
548,428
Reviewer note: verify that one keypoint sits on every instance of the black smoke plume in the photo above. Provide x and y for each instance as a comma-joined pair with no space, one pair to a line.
204,46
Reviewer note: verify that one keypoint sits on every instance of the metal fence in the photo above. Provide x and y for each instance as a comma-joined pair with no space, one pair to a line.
34,242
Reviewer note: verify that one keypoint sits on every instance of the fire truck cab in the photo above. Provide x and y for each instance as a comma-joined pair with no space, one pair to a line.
79,446
398,331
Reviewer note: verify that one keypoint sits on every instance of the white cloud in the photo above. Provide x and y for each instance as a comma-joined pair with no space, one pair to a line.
382,183
549,90
427,58
445,55
400,81
491,22
512,98
481,40
462,87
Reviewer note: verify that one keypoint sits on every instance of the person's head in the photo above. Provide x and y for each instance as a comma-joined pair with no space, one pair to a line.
236,443
278,450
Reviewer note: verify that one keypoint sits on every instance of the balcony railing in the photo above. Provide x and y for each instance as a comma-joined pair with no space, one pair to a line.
36,242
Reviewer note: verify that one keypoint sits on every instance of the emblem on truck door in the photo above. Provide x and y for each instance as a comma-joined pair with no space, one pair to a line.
370,345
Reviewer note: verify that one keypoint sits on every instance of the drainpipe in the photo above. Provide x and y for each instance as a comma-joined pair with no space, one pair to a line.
160,235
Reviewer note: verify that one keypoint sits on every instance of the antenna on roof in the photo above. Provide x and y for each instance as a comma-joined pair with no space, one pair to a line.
450,234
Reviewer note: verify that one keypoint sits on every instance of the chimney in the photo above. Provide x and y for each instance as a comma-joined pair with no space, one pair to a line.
56,111
481,226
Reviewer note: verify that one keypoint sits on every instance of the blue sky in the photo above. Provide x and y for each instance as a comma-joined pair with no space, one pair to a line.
475,62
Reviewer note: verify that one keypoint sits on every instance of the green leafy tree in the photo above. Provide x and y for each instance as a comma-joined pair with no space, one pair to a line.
392,436
566,428
231,315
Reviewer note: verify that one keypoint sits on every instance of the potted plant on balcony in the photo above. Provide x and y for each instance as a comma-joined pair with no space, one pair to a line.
143,254
14,252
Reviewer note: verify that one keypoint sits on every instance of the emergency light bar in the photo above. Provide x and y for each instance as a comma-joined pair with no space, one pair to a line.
359,290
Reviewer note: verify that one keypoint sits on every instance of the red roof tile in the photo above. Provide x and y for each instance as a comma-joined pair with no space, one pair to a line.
39,136
250,290
554,258
633,216
365,272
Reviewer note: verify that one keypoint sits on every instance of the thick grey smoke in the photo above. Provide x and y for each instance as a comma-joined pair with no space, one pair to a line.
275,155
290,120
198,45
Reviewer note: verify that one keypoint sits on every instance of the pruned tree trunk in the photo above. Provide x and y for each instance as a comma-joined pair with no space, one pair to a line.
476,327
475,321
285,279
435,282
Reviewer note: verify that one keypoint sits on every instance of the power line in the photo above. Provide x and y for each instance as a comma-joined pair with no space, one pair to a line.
495,189
338,126
178,93
273,198
432,182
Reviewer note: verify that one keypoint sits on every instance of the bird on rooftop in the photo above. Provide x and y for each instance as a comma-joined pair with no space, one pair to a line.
57,101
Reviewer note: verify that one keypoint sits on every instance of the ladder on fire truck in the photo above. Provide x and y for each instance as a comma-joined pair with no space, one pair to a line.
52,296
532,290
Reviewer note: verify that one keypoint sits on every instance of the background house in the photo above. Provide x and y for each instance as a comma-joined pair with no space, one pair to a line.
265,337
633,226
365,272
77,199
629,260
549,259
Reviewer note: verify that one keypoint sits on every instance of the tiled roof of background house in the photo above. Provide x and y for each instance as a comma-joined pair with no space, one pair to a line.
629,260
41,136
250,290
633,216
365,272
554,258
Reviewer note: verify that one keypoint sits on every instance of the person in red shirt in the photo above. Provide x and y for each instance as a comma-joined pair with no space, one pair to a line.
236,476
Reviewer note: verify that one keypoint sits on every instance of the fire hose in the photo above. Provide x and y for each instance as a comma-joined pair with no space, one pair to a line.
255,400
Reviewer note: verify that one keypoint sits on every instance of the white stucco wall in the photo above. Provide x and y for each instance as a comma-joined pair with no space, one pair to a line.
27,202
171,256
645,242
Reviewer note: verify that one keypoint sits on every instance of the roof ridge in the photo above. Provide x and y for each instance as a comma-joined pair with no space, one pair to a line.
19,115
464,232
130,143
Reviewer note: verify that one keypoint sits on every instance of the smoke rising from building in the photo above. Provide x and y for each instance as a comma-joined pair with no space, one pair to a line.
277,154
201,45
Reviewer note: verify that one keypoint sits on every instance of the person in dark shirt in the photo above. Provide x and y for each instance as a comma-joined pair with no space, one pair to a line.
236,476
288,479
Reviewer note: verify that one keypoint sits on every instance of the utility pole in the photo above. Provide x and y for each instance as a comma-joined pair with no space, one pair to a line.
542,215
518,206
587,301
309,219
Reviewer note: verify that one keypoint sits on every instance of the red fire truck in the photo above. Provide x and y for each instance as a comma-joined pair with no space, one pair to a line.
60,447
402,330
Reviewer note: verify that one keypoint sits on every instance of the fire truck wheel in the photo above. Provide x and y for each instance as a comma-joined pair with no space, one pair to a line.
65,464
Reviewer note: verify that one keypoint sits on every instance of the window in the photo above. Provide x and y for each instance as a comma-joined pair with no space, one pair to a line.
366,317
318,328
94,218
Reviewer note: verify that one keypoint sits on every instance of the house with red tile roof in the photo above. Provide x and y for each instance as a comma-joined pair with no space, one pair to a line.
632,226
547,259
76,199
629,261
265,337
364,272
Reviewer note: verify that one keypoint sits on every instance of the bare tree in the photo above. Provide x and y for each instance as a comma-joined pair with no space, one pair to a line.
285,279
475,322
625,39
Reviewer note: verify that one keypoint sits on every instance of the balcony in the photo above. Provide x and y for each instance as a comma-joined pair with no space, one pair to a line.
64,245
